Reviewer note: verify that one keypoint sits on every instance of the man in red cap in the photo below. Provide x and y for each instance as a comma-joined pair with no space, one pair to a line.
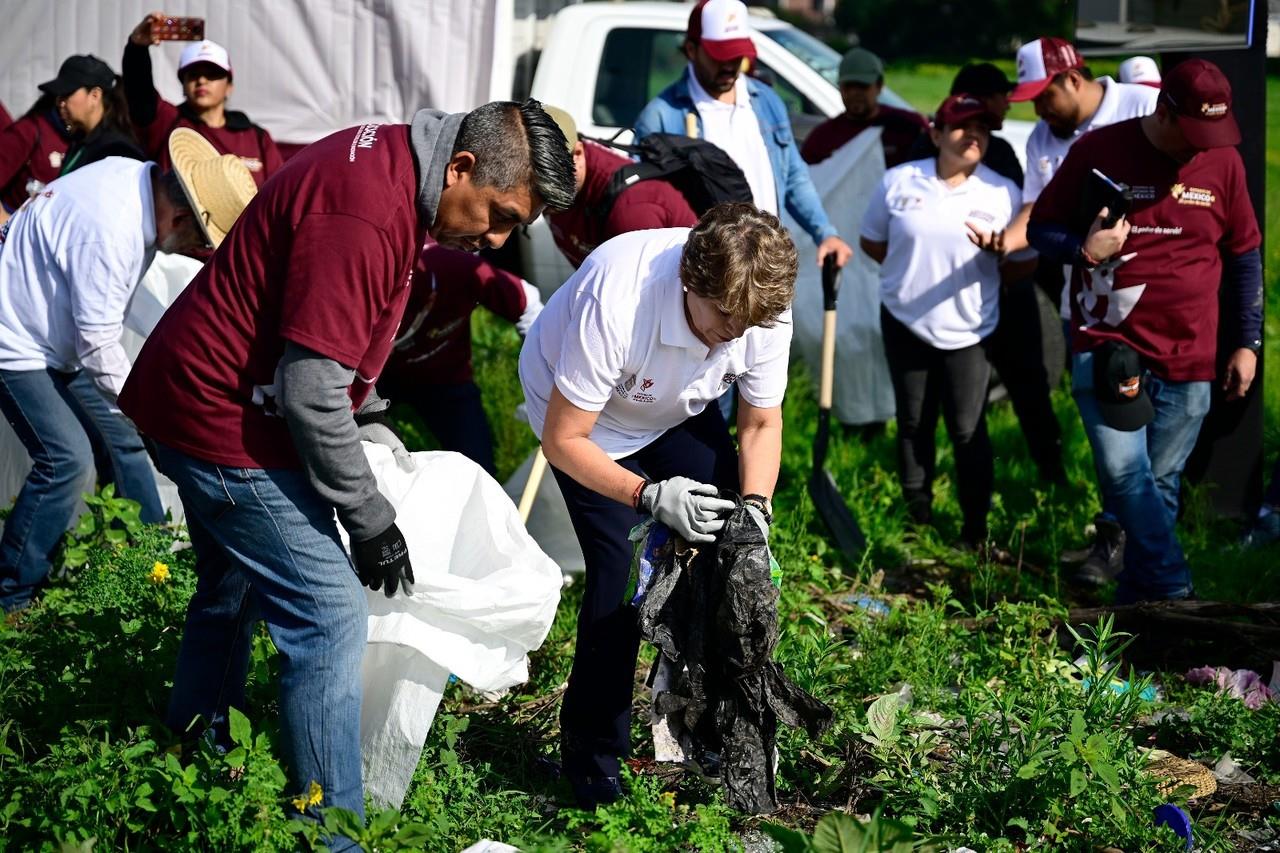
1145,302
715,101
1070,103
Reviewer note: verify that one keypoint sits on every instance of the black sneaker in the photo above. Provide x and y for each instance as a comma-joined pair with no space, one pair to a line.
592,791
1106,557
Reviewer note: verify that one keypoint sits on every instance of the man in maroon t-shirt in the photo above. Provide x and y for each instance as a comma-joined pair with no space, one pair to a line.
1145,302
430,365
204,70
645,204
248,385
861,81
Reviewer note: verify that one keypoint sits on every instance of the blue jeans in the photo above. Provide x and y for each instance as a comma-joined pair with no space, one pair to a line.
267,548
64,422
1139,474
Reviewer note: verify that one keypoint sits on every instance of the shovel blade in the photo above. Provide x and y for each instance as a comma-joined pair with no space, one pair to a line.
835,514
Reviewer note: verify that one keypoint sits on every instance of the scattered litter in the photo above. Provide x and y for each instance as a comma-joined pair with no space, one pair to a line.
1229,772
872,606
1176,819
1150,693
484,845
1243,684
713,613
1179,773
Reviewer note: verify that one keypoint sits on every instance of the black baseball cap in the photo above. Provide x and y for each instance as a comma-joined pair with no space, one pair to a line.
80,70
981,79
1120,386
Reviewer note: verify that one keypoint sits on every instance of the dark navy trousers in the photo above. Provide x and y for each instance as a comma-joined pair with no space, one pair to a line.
595,718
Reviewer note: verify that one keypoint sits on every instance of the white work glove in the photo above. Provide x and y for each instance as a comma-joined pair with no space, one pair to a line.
380,433
690,508
532,308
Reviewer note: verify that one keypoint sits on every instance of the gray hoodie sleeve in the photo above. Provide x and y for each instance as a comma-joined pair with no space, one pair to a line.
317,408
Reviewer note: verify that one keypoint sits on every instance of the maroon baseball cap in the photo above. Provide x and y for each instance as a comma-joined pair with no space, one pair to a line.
1039,62
957,109
1200,97
722,28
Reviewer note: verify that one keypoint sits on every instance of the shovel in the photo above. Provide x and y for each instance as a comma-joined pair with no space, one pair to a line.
531,486
826,497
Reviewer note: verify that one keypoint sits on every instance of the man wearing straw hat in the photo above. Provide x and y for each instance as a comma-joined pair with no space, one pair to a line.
249,384
68,269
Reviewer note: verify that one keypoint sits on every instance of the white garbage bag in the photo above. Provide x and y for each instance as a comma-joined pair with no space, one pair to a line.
863,391
485,596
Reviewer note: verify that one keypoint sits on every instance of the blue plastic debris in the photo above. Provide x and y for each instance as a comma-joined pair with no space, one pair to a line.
872,606
1176,819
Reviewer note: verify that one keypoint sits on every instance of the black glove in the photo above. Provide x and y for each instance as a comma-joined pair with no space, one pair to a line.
384,560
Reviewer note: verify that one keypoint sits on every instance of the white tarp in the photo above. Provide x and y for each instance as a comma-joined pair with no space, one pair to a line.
165,279
303,68
863,390
485,596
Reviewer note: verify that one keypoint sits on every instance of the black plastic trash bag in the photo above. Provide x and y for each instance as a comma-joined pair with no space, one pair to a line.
713,612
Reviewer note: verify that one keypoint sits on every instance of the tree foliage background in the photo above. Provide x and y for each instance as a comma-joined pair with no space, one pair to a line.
951,28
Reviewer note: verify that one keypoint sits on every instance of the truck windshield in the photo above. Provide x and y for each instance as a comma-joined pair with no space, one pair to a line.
808,50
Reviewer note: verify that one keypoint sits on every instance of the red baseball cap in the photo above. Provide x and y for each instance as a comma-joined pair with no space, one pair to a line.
722,28
957,109
1039,62
1200,97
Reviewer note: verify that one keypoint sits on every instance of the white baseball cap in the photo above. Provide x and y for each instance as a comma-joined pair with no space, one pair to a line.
1039,62
722,28
1140,69
204,51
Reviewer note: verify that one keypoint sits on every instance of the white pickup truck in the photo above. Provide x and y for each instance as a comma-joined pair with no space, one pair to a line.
602,62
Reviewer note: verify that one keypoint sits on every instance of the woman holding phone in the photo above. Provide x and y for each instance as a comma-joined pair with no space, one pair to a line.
936,228
204,70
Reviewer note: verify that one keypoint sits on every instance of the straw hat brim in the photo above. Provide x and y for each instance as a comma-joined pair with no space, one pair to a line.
218,186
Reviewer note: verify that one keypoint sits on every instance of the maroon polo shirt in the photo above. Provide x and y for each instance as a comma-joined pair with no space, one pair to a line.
1164,301
433,345
645,204
31,147
901,130
324,257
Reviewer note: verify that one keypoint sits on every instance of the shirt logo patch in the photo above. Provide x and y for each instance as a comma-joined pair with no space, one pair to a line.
982,216
642,396
904,203
366,135
624,388
1143,193
55,159
728,379
1194,196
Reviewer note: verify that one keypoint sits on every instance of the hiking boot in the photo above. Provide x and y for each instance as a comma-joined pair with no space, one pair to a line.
1106,557
919,507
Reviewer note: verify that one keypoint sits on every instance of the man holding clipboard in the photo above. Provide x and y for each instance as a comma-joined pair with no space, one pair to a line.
1144,301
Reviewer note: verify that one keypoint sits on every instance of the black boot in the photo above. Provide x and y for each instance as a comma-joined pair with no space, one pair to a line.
1106,557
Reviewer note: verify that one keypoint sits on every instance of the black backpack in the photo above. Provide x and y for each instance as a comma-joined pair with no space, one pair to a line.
699,169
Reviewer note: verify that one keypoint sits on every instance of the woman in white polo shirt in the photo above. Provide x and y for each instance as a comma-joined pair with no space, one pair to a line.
935,227
618,374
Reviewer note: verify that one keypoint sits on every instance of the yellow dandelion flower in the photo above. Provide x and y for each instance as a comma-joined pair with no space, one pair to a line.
312,797
159,573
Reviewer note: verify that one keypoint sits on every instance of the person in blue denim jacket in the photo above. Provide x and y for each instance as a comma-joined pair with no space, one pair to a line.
715,101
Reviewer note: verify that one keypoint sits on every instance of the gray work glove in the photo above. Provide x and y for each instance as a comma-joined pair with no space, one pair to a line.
688,507
379,433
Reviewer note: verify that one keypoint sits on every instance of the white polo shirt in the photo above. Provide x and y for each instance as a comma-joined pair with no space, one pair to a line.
1046,150
614,340
72,261
934,279
735,129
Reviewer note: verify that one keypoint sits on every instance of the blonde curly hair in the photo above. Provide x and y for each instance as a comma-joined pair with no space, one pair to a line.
741,258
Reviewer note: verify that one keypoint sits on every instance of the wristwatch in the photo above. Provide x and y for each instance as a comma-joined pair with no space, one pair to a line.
761,503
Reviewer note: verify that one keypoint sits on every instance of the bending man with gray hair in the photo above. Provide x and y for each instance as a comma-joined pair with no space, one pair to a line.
257,387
